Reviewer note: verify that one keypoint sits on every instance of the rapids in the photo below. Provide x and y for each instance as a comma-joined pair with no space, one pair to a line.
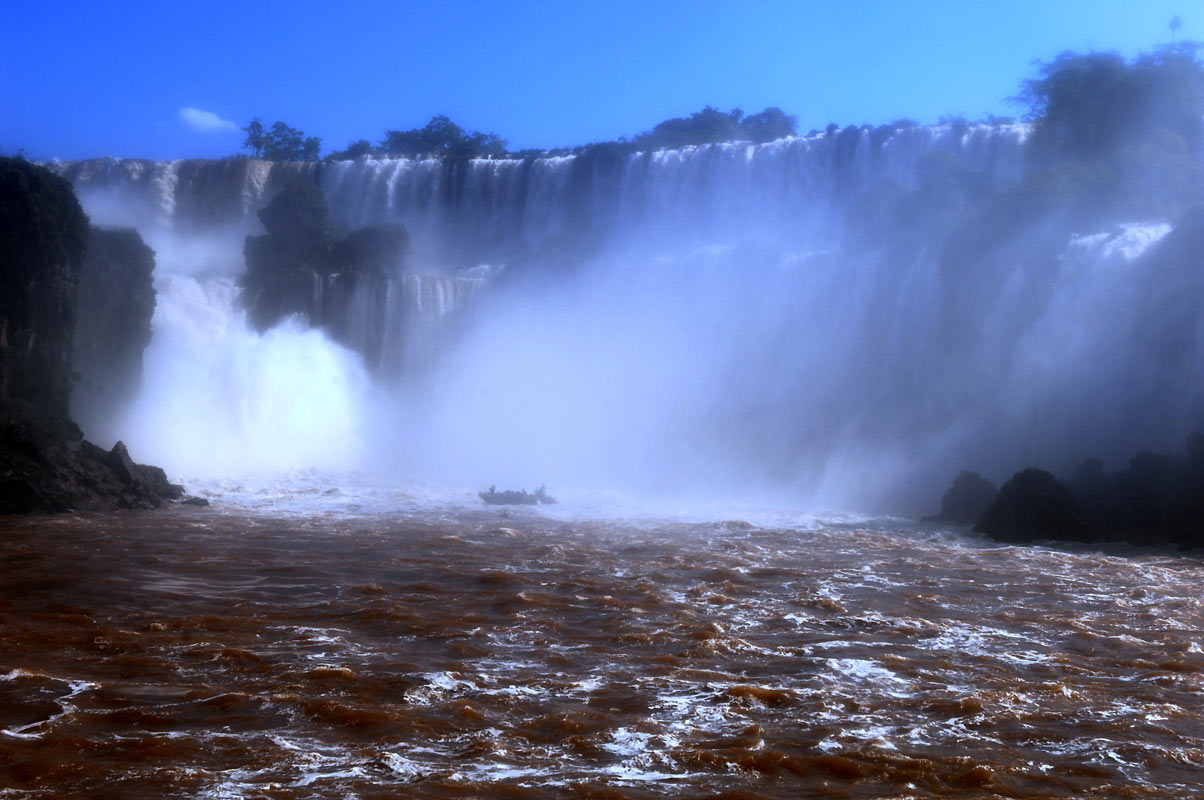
441,650
732,336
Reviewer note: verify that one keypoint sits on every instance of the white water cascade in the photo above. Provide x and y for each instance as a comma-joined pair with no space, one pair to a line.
714,319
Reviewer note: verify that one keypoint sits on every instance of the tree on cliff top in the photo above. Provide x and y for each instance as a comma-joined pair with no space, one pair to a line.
702,127
256,138
354,150
1117,138
711,125
1086,105
772,123
445,139
281,143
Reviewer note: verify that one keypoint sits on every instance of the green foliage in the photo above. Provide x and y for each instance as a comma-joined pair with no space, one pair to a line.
256,138
1088,106
443,138
1081,104
702,127
1117,138
1171,85
770,124
530,152
711,125
280,143
356,149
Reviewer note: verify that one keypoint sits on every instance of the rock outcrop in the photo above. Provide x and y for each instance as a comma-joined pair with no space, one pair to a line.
43,233
47,466
967,499
301,266
1033,505
45,463
1158,500
113,323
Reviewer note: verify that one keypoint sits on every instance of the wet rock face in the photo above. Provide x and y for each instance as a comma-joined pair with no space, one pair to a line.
375,249
43,232
47,466
286,265
45,463
302,267
113,325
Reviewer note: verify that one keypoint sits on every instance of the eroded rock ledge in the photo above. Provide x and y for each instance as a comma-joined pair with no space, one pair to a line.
47,466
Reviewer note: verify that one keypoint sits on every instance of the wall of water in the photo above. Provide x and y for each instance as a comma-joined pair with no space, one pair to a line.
722,331
465,213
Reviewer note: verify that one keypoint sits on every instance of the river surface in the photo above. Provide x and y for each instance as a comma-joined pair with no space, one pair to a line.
456,651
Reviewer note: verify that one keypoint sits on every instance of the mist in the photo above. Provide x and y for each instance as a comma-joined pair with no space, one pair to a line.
827,322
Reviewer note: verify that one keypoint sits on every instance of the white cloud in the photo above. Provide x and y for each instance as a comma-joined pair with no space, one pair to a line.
205,121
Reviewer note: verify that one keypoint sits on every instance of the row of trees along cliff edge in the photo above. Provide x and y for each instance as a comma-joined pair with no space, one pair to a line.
1083,103
442,138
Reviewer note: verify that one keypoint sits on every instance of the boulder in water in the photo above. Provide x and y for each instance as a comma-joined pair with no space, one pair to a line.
1032,506
967,499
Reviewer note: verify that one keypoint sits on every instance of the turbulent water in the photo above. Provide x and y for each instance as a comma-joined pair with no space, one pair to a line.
725,340
320,648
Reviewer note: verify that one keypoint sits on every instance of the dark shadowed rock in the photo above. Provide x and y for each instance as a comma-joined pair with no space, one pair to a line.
1158,500
300,267
113,324
1031,506
967,499
47,466
120,462
157,480
45,463
376,248
43,231
298,216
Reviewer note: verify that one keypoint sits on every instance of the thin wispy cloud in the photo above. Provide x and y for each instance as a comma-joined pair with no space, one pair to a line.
205,121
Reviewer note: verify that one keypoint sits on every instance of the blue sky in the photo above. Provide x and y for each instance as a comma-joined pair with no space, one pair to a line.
173,79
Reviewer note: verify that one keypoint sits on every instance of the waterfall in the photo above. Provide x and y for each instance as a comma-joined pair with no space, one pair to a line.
809,314
464,213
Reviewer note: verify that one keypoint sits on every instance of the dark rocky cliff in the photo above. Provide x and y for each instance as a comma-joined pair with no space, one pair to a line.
113,325
43,233
45,463
302,266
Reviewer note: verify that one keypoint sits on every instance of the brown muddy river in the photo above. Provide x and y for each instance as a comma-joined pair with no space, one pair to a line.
200,653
